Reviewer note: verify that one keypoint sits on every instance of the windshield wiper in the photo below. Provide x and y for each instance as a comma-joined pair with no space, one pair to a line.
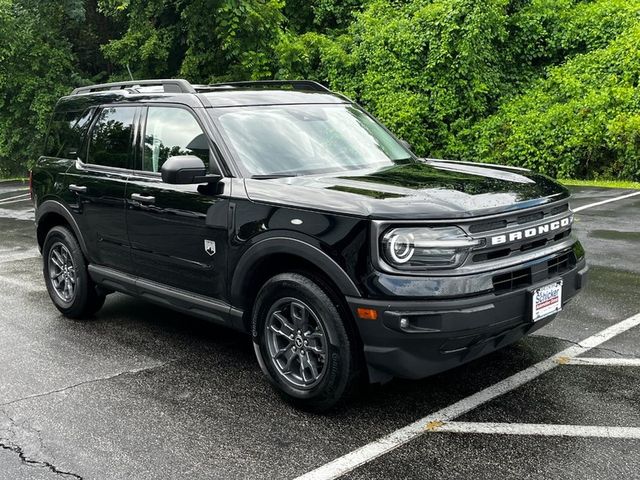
269,176
404,161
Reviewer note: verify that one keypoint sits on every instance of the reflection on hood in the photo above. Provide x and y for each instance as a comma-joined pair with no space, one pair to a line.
433,189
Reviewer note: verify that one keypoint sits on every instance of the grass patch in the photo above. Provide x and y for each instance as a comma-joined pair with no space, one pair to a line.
601,183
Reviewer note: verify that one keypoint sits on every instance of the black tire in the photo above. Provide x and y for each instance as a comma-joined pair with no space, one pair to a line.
84,300
337,370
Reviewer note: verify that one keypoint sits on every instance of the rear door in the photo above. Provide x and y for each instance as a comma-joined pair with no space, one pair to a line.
98,181
178,235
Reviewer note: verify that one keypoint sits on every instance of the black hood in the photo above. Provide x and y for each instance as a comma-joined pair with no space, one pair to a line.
421,190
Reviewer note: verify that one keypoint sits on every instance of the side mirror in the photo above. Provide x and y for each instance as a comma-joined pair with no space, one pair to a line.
186,169
406,145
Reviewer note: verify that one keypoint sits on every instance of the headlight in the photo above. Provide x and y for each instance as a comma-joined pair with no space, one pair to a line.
426,248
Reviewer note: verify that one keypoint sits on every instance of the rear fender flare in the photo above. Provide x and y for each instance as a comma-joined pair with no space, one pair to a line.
49,207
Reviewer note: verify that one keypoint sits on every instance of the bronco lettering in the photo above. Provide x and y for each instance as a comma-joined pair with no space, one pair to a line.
531,232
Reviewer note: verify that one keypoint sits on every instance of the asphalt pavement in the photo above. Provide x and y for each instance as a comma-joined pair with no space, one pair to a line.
141,392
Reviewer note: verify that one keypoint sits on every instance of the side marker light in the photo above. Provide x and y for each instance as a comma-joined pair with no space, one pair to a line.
367,313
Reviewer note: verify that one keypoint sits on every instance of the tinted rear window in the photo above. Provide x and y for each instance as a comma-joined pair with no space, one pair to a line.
111,137
66,133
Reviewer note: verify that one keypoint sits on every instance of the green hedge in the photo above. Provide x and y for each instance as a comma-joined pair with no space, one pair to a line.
582,121
547,84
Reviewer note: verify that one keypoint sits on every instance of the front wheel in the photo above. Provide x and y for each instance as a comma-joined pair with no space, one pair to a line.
301,342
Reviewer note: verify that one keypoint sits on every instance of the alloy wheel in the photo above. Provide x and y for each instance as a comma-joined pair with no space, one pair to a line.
62,272
296,342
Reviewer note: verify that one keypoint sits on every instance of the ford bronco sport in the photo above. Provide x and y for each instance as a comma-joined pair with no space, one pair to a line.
284,210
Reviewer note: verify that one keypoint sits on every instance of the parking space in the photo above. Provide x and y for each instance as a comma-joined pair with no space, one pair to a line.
142,392
572,422
454,456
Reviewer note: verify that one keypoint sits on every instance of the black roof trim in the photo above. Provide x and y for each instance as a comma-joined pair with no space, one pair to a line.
178,85
258,84
174,85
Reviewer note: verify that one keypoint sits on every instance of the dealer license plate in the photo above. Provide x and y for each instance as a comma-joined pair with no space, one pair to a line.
547,300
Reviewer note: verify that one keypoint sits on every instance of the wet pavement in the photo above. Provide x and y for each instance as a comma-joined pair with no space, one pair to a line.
141,392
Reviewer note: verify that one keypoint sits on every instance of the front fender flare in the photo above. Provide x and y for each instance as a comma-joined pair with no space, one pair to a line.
291,246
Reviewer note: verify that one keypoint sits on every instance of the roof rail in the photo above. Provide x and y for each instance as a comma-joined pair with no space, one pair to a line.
294,84
174,85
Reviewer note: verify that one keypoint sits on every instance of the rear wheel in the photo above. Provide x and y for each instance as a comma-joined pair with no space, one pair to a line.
301,342
66,276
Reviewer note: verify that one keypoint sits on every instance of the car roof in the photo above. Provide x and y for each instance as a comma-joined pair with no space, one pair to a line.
247,97
253,93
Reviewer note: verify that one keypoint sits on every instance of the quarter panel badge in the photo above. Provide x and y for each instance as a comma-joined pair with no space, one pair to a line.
210,247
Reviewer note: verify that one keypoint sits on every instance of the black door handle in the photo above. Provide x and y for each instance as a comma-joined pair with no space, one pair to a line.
143,198
78,188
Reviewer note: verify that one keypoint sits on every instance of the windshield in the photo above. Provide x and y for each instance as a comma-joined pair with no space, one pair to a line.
307,139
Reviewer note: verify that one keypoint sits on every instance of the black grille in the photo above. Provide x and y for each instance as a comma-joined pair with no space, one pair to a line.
532,245
518,221
562,235
531,218
559,209
507,282
560,264
487,226
483,257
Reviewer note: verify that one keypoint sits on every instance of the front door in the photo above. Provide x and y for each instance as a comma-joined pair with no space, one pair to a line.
178,235
98,180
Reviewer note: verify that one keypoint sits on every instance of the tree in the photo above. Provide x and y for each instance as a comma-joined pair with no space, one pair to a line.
36,68
581,121
233,40
547,84
437,71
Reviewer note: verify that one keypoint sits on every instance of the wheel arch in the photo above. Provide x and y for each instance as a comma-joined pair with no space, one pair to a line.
52,213
279,254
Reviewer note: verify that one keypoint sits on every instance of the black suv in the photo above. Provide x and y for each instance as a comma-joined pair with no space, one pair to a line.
285,210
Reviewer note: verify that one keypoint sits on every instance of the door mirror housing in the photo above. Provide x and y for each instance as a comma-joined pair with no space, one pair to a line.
186,169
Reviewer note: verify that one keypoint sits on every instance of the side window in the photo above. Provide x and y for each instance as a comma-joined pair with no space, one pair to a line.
66,133
170,132
111,137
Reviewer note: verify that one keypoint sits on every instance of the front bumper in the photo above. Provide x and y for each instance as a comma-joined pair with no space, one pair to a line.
437,335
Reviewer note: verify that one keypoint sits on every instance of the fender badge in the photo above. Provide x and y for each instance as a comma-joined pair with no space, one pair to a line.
210,247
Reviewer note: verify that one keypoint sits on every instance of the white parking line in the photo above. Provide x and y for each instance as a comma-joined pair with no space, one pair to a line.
26,199
536,429
369,452
17,198
604,362
615,199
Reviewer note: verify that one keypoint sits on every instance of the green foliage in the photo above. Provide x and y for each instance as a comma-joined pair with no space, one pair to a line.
426,68
582,120
203,40
319,15
602,183
437,71
547,84
36,68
